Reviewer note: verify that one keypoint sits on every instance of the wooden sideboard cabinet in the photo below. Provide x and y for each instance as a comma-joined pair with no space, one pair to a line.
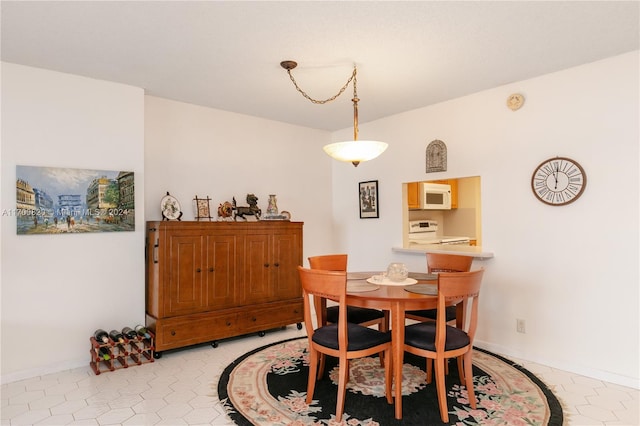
206,281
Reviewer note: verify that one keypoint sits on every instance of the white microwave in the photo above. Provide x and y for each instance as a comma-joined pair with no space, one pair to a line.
435,196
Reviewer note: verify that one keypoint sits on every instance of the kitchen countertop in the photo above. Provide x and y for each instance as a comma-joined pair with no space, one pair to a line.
462,249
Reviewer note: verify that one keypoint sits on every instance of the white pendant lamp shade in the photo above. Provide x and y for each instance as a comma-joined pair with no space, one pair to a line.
355,151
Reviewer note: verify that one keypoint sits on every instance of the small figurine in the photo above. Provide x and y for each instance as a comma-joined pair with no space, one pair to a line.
225,210
252,210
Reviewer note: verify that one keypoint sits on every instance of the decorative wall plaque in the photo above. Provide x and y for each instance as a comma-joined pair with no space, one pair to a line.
436,156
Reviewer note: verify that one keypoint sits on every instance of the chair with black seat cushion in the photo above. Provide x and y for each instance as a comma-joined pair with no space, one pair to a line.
356,315
438,341
343,340
441,262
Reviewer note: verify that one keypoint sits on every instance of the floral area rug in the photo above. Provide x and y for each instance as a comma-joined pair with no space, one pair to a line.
268,387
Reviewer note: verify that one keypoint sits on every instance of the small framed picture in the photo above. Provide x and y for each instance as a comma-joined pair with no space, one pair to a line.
368,194
202,208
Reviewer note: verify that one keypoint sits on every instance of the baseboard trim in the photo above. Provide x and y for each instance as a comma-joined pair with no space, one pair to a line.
606,376
44,370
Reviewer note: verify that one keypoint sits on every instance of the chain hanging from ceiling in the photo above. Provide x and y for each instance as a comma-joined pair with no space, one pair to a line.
289,65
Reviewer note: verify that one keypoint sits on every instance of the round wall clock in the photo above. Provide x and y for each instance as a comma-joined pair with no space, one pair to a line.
558,181
170,208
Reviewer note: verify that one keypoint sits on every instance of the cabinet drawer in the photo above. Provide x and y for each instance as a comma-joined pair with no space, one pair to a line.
193,329
271,317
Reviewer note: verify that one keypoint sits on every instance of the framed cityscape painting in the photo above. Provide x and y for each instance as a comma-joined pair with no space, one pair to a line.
368,193
52,200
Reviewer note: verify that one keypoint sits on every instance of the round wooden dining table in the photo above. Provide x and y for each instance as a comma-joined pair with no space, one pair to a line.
396,299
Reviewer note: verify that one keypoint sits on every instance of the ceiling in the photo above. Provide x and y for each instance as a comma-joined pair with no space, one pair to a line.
226,54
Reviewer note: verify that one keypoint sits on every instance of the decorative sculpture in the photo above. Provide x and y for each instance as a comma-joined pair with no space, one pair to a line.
225,210
252,210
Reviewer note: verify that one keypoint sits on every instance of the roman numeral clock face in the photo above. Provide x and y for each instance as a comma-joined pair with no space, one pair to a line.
558,181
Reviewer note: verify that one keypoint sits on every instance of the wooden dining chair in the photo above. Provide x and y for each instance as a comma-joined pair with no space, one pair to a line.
441,262
343,340
437,341
362,316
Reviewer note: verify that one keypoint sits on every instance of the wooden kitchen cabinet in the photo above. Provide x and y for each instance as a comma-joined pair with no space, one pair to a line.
413,195
454,193
206,281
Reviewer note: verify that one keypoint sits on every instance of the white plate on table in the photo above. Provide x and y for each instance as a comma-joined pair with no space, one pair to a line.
379,279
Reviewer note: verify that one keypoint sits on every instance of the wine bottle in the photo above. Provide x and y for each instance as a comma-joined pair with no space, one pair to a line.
101,336
142,331
129,333
116,336
103,353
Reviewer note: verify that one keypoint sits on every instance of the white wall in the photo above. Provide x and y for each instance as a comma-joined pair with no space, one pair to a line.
192,150
57,289
61,288
570,272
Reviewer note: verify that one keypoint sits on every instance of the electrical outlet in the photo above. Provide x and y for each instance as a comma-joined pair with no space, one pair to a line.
520,325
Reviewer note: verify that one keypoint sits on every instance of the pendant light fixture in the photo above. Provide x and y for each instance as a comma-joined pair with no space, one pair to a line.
354,151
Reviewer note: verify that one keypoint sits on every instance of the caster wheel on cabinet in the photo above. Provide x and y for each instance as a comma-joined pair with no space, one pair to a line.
299,325
261,333
214,344
157,355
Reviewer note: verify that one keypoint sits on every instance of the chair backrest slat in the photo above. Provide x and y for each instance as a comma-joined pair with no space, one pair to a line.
441,262
329,262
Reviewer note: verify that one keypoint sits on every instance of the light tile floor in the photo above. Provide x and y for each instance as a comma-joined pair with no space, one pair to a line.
181,389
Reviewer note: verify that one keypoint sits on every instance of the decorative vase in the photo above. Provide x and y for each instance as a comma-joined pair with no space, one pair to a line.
397,272
272,208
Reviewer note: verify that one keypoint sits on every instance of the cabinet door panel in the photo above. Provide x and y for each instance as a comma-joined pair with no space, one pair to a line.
286,258
257,268
185,277
221,270
413,195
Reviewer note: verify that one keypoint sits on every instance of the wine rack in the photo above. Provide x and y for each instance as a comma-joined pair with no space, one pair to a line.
136,351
